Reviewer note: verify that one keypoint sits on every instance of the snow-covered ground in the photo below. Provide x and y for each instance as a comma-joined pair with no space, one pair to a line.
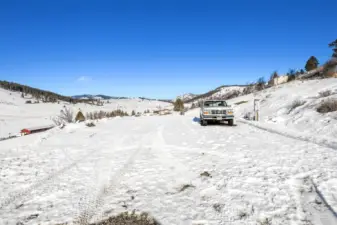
143,163
280,170
303,120
16,115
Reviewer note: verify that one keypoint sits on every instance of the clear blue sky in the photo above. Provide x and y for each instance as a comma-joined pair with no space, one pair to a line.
158,48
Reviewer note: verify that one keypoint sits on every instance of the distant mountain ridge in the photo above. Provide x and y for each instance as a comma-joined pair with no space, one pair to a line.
100,96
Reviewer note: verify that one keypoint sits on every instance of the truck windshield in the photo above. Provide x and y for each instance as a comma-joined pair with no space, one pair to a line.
215,103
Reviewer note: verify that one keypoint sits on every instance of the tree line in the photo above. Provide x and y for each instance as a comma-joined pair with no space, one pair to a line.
45,96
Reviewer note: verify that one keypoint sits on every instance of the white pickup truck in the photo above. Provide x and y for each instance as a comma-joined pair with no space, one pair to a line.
216,111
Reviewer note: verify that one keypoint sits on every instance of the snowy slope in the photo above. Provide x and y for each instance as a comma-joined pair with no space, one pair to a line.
143,163
225,90
276,101
186,97
219,93
16,115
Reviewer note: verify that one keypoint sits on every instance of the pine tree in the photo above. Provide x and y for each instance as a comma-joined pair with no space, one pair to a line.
260,85
311,64
334,46
80,117
291,75
273,76
178,105
301,71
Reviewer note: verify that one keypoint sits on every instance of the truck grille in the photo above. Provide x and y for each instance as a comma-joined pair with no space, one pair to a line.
218,111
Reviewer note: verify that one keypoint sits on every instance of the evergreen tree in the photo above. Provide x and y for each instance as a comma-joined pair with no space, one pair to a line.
260,84
178,105
80,117
311,64
334,46
291,75
301,71
273,76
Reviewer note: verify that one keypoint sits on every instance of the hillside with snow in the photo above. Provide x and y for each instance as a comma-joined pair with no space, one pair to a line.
16,114
222,92
186,97
280,170
277,107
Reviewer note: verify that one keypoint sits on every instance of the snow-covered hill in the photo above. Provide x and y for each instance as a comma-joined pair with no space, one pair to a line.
223,92
276,102
15,114
186,97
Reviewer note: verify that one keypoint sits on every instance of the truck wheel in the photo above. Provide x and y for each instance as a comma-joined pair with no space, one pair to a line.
203,123
231,122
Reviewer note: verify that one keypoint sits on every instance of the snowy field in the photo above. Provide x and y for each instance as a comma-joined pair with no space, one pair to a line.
253,176
15,114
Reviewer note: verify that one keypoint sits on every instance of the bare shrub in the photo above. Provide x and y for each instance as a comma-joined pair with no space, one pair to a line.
295,104
90,124
329,105
29,102
127,218
248,89
217,207
329,68
326,93
232,94
242,215
66,116
205,174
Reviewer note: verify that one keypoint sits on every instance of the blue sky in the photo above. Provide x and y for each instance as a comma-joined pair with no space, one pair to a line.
158,48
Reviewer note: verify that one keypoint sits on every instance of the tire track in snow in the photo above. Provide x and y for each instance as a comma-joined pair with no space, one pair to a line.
45,182
315,140
98,201
25,193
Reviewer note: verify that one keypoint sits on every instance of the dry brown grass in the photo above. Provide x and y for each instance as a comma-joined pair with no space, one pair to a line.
329,105
128,218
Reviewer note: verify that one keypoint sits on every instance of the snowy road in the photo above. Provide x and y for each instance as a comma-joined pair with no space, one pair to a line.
86,174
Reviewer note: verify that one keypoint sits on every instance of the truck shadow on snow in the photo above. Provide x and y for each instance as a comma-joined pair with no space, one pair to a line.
210,123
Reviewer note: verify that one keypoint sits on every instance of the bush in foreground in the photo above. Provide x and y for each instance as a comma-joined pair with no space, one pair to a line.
127,218
326,106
